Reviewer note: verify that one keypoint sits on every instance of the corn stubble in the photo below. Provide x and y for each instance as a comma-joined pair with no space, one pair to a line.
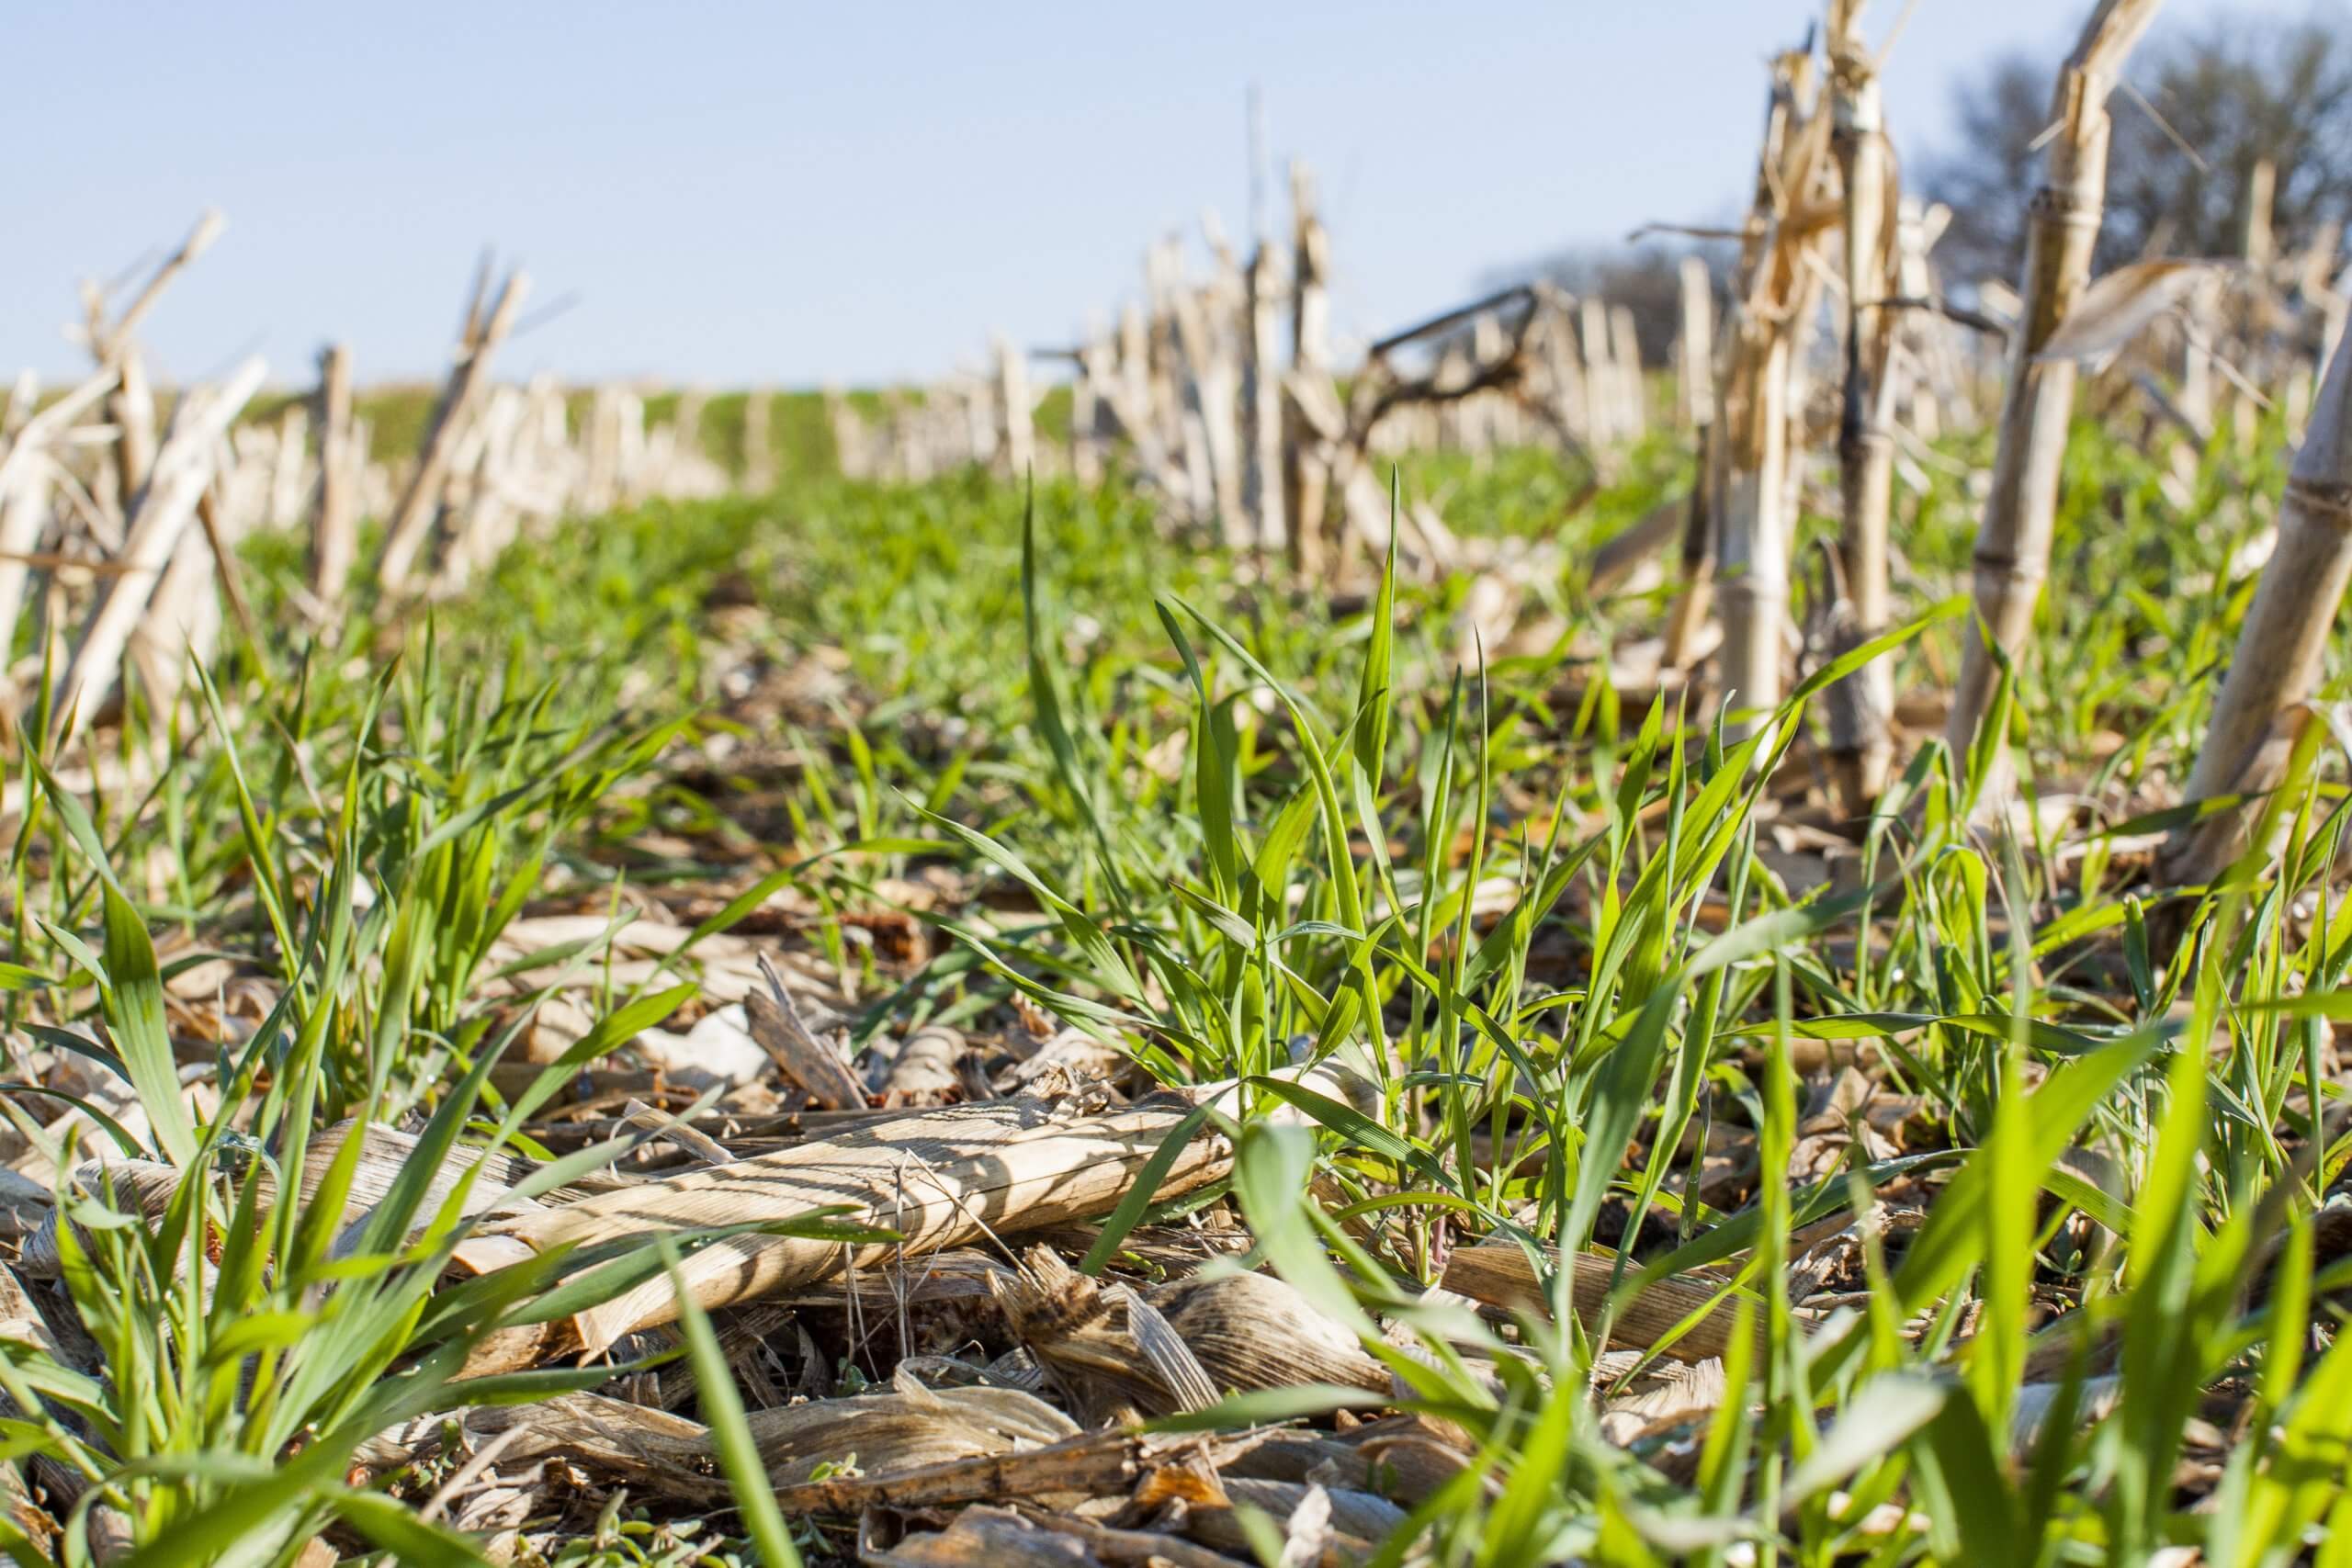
2263,703
1774,291
1860,710
2013,537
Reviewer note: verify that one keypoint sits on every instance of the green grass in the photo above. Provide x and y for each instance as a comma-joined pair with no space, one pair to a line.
1218,823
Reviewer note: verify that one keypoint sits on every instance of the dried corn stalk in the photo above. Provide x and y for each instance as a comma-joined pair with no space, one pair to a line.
941,1178
150,1186
411,525
1117,1353
2277,665
1016,439
1694,384
145,1186
165,507
776,1024
1860,708
1776,291
1307,478
130,408
1497,1274
1092,1464
1263,487
905,1428
21,1324
2062,232
25,476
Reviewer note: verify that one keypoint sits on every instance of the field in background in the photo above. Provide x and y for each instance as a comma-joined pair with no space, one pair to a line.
803,436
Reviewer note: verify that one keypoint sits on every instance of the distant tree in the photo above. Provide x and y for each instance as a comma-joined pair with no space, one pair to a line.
2241,88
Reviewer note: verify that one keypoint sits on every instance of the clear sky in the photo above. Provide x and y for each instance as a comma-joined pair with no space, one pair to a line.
786,194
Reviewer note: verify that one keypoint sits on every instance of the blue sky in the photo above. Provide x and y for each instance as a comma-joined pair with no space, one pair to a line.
787,194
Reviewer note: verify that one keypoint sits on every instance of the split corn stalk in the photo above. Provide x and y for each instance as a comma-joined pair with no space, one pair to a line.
939,1178
2061,232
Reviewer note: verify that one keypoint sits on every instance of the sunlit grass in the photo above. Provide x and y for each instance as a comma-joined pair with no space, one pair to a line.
1233,825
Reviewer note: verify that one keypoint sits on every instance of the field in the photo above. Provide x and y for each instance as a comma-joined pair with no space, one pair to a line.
611,977
1921,1112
